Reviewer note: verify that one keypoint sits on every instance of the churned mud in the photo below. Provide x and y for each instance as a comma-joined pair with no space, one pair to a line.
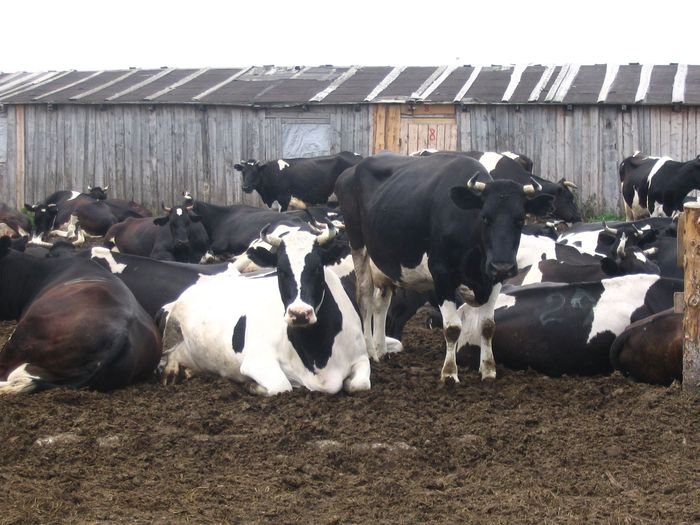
524,449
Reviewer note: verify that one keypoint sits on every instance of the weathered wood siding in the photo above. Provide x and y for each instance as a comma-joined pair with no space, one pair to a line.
585,144
152,154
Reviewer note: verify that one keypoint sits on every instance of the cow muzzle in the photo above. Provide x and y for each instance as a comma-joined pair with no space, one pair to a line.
300,315
501,270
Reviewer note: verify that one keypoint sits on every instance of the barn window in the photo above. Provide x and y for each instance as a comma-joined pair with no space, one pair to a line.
305,139
3,136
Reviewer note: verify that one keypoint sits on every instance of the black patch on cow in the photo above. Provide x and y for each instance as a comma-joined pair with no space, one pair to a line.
238,339
314,344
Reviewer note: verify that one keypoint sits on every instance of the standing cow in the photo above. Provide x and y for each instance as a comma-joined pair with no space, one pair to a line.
309,181
656,185
427,222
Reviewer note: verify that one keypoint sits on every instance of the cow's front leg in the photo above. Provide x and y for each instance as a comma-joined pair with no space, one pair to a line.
452,326
487,325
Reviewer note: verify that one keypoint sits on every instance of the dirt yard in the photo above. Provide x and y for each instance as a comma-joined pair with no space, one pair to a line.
525,449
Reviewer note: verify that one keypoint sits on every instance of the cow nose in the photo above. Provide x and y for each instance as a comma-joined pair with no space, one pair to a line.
502,270
299,316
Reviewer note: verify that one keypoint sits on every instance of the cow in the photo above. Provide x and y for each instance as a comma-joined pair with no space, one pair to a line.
525,162
77,326
504,166
651,350
294,326
625,260
568,328
17,223
177,236
656,185
428,222
232,228
306,180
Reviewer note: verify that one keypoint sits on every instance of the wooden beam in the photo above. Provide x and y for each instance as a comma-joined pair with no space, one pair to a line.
691,316
20,157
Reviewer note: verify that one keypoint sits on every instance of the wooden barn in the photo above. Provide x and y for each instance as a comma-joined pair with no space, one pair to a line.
150,134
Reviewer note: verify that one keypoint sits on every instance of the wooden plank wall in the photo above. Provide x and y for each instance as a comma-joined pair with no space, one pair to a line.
151,155
584,145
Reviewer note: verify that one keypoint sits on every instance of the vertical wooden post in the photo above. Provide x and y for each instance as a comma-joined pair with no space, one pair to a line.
20,157
691,278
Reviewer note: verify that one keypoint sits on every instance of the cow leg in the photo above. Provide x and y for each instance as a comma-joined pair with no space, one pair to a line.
382,299
487,324
268,378
452,326
20,381
365,301
358,379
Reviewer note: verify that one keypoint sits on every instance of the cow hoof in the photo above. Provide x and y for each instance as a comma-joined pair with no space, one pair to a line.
449,380
489,375
393,345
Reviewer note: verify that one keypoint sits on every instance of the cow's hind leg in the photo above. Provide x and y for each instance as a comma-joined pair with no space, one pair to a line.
358,379
21,381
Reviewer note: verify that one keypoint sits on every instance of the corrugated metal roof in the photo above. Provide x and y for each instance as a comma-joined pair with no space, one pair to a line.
298,85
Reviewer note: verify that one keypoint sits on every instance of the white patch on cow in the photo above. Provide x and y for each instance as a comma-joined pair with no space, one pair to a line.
620,298
585,242
282,164
418,278
179,211
532,248
504,301
656,167
534,275
641,257
490,159
298,245
73,195
19,381
510,155
103,253
344,267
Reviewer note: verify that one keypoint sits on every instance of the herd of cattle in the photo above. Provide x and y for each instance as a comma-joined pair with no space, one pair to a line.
309,295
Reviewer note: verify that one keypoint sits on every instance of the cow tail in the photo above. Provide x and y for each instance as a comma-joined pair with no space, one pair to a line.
615,349
623,169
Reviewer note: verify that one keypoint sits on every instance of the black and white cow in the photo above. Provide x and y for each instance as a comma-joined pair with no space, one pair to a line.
651,350
273,331
568,328
308,180
424,223
77,326
656,185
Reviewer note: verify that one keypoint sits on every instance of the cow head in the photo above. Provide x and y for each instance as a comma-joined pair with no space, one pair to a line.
98,193
503,205
179,219
300,257
565,206
44,216
628,259
252,173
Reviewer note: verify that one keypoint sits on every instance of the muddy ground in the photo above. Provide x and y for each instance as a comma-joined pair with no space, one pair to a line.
525,449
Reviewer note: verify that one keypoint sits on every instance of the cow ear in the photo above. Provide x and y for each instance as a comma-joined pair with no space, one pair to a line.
332,252
5,243
262,257
29,207
465,198
161,221
609,266
542,204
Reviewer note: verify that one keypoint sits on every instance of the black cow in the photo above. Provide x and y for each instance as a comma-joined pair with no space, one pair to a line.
424,222
231,229
308,180
650,181
569,328
504,166
154,283
102,338
177,236
651,350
